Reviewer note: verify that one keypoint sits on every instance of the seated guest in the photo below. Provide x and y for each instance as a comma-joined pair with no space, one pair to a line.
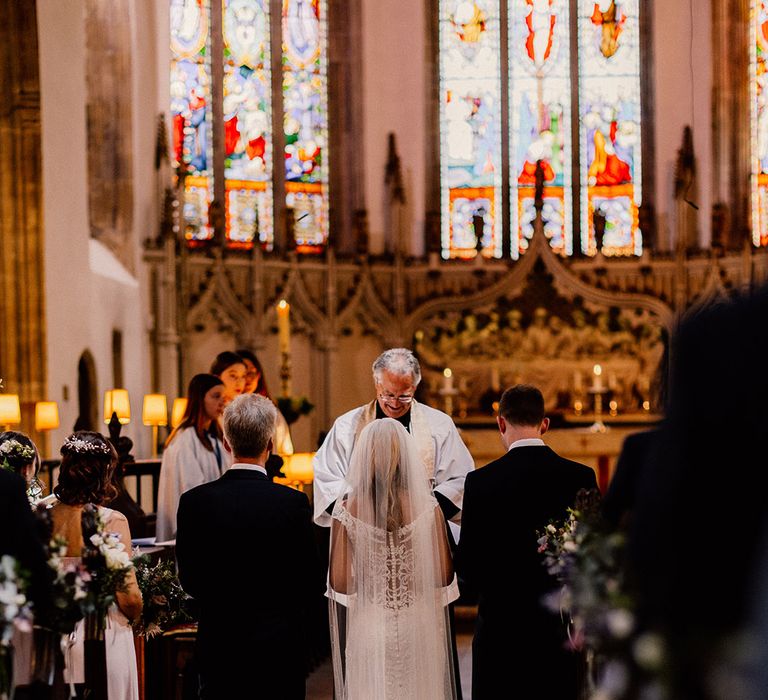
88,463
230,368
255,383
244,543
19,454
194,453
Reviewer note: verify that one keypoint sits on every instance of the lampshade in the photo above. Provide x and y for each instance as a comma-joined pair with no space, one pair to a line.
117,401
46,415
155,410
298,467
177,412
10,410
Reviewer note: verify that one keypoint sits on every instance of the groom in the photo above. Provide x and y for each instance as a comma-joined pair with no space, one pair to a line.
246,553
505,503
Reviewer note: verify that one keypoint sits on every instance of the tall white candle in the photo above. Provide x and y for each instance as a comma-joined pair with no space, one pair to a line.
597,380
447,380
577,385
284,326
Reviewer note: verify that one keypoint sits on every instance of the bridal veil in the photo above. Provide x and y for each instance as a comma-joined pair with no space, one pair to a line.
390,577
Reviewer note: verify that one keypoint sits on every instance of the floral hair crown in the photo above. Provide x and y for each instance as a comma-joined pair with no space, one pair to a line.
13,449
76,445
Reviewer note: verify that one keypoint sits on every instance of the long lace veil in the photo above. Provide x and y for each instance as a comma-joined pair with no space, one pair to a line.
388,578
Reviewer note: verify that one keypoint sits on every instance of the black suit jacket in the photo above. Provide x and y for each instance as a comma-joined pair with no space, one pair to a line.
505,503
246,553
19,537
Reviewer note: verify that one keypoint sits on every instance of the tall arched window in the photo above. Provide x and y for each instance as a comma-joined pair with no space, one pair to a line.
222,83
556,64
759,98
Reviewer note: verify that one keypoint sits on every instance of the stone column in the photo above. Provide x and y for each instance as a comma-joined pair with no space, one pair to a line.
22,278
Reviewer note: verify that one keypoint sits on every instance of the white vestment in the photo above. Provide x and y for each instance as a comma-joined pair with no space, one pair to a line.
446,458
186,464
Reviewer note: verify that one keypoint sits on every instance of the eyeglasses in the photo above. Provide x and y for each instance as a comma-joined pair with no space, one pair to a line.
391,398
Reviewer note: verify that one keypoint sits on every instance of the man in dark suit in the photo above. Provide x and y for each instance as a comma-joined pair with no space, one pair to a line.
246,553
518,644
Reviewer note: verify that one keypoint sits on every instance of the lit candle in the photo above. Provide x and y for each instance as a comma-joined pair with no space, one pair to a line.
284,326
447,380
612,381
597,381
495,379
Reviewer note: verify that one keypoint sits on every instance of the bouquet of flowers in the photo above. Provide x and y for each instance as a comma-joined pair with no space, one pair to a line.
13,611
164,599
588,559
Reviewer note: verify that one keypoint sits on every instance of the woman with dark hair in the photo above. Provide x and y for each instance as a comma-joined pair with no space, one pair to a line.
88,464
194,452
231,369
19,454
255,383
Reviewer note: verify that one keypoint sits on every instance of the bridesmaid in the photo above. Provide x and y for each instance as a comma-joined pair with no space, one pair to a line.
194,452
231,369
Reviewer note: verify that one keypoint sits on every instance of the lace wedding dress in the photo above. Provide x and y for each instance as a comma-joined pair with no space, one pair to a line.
390,630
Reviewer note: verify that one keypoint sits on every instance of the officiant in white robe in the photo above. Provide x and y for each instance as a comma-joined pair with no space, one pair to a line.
396,374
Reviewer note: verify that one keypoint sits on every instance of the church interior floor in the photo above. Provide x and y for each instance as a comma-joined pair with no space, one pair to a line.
320,681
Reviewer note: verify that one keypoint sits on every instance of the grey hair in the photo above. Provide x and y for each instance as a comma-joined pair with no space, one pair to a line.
399,361
249,424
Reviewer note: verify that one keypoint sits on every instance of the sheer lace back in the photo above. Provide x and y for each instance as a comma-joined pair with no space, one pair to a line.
391,558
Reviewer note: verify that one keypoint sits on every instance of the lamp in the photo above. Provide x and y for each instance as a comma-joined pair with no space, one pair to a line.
177,412
298,468
10,410
155,413
117,401
46,416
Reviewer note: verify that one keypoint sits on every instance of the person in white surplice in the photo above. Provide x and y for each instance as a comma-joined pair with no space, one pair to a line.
390,576
396,374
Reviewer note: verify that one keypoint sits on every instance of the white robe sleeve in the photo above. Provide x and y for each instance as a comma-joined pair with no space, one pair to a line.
186,464
452,459
331,463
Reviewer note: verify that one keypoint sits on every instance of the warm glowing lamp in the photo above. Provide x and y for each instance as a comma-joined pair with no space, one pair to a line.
298,468
117,401
177,412
155,413
46,416
10,410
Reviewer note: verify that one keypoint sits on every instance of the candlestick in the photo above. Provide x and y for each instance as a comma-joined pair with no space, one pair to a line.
284,326
495,379
447,380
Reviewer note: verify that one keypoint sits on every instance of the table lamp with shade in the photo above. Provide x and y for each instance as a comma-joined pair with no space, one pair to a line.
155,413
46,416
10,410
117,402
177,412
298,469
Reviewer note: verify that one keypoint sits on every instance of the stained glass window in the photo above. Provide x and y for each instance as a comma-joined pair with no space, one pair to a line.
191,114
305,121
540,121
609,106
248,148
759,90
599,176
470,120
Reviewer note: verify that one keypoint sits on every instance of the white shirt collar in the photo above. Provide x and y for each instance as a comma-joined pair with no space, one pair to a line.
249,467
526,442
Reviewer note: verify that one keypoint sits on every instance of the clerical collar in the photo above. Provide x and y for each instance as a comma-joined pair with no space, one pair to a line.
405,419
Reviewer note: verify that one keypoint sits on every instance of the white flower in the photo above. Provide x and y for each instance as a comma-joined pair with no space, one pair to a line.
649,650
117,559
620,623
570,546
551,528
97,540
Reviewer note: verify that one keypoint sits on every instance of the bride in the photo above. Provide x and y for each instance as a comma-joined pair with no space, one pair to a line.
390,576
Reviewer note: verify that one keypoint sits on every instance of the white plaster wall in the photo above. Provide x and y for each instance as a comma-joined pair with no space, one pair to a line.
84,305
681,99
394,100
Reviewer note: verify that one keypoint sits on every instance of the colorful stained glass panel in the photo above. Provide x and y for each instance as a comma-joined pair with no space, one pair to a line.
191,113
470,127
609,132
248,158
540,120
759,95
305,120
